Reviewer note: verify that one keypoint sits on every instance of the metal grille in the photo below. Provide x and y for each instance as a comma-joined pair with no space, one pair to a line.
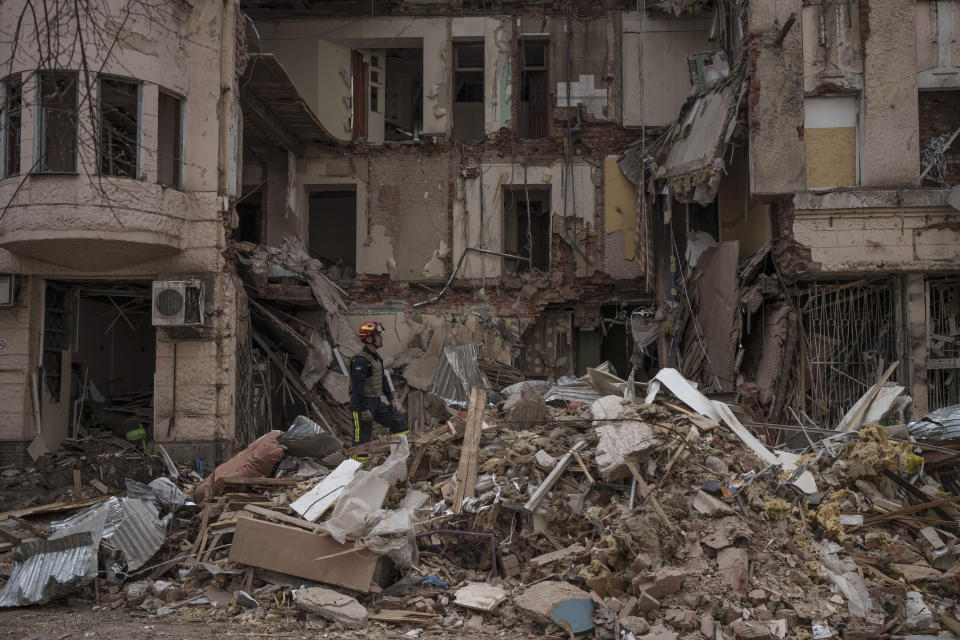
853,331
943,357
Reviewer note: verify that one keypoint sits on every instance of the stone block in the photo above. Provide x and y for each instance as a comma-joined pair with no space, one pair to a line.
734,565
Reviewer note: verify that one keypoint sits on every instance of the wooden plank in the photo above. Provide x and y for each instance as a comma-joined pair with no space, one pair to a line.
399,615
53,507
470,451
380,444
10,536
583,467
285,519
202,533
259,482
646,493
77,482
99,486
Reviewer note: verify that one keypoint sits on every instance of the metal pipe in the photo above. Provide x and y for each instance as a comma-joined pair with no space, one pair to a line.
457,269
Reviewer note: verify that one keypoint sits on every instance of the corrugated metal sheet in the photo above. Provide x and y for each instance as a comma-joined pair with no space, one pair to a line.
131,525
579,391
457,374
139,534
48,569
942,425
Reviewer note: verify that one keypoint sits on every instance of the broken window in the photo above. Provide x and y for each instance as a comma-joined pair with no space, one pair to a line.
830,141
704,218
852,333
939,113
169,139
119,126
58,121
59,330
333,228
468,91
943,335
12,103
534,84
526,228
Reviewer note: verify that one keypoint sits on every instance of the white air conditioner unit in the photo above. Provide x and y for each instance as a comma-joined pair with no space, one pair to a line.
177,302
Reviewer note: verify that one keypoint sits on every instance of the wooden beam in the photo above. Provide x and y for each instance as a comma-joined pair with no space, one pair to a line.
646,493
53,507
470,451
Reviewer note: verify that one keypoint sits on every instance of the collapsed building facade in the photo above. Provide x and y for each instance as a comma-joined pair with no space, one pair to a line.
196,195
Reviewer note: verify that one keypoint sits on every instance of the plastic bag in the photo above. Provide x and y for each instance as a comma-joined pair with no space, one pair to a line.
306,439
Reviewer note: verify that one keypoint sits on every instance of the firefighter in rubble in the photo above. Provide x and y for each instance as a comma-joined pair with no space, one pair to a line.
368,383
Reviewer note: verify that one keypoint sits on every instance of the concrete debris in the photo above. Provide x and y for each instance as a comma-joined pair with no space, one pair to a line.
479,596
541,599
331,605
526,407
758,558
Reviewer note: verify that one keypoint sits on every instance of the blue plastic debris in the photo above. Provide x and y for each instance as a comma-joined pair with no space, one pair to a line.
576,613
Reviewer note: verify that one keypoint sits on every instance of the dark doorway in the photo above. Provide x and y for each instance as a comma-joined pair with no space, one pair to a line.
333,227
534,89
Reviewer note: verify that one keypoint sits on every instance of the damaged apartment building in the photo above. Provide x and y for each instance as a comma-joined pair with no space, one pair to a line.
200,201
802,210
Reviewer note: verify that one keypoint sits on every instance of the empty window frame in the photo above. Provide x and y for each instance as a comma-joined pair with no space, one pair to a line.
526,229
12,105
534,85
468,91
58,122
169,139
119,127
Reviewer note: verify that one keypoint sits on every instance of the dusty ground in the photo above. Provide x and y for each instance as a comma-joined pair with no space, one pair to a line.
56,622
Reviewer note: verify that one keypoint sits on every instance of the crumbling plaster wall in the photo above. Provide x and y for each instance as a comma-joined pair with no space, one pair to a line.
619,223
317,70
482,227
866,231
891,154
832,46
494,333
656,78
776,99
402,208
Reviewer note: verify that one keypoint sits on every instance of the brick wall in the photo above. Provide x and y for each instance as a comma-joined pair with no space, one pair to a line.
940,114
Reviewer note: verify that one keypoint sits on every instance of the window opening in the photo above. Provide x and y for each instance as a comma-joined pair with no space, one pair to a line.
523,225
333,229
468,92
13,103
403,94
59,324
119,128
534,82
853,333
58,122
943,332
704,218
250,217
169,139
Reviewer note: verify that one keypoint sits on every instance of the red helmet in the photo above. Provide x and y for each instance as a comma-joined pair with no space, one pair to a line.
368,329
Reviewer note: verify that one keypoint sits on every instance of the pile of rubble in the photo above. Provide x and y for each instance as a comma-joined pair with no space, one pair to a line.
649,511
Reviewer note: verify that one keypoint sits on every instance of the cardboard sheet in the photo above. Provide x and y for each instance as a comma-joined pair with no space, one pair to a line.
295,551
